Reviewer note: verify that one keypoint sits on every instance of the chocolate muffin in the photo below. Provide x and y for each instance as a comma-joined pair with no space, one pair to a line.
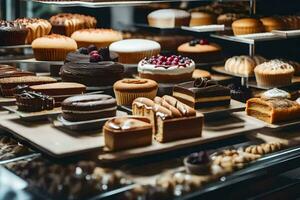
239,93
97,74
29,101
88,107
12,33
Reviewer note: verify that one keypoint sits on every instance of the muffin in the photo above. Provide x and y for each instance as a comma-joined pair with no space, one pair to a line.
169,18
274,73
127,90
202,18
36,28
53,47
272,23
98,37
247,26
201,51
131,51
12,33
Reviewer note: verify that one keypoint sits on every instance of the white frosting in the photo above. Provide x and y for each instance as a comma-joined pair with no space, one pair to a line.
275,93
134,45
172,70
298,100
169,14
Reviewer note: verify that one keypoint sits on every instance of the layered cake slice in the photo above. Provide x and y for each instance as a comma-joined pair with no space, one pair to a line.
171,119
273,110
202,93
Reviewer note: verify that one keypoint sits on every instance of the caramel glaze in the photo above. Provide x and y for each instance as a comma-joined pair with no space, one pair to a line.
165,107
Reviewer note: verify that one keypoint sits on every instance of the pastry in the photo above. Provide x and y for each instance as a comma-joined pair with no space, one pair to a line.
59,91
240,93
264,148
199,73
127,132
272,23
201,51
163,69
67,23
7,71
273,110
88,107
98,37
276,93
92,74
291,22
202,93
243,65
167,116
228,18
274,73
36,28
127,90
247,26
131,51
10,148
29,101
8,85
202,18
91,54
12,33
168,18
53,47
198,163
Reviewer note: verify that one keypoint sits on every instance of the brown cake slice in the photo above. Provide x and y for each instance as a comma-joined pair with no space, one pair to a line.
273,110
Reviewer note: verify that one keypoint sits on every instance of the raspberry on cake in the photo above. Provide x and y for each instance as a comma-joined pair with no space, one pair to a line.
166,69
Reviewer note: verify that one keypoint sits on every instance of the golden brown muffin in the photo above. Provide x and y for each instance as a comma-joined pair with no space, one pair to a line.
53,47
247,26
127,90
36,28
272,23
202,18
98,37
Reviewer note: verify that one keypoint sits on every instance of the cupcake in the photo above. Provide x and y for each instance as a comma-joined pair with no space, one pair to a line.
247,26
53,47
36,28
202,18
98,37
131,51
201,51
274,73
168,18
12,33
272,23
198,163
127,90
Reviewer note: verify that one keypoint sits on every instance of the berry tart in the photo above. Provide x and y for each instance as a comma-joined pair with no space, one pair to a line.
201,50
91,54
166,69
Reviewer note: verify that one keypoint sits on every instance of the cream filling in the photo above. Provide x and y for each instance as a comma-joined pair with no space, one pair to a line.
201,99
90,111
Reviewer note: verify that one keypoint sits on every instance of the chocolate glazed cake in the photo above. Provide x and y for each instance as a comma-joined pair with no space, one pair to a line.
104,73
201,93
12,33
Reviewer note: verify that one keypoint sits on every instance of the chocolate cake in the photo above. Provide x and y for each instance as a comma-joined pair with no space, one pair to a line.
202,93
12,33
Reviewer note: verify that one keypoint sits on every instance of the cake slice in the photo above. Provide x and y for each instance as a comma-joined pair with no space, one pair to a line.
273,110
202,93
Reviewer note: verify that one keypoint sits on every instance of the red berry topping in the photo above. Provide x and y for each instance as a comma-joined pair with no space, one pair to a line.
203,42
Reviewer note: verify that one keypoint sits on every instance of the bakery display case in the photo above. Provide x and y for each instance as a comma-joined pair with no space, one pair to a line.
158,99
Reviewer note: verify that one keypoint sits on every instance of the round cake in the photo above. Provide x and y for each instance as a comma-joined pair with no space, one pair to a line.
12,33
274,73
163,69
168,18
202,18
88,107
201,51
127,90
131,51
92,74
98,37
53,47
243,65
272,23
36,28
247,26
